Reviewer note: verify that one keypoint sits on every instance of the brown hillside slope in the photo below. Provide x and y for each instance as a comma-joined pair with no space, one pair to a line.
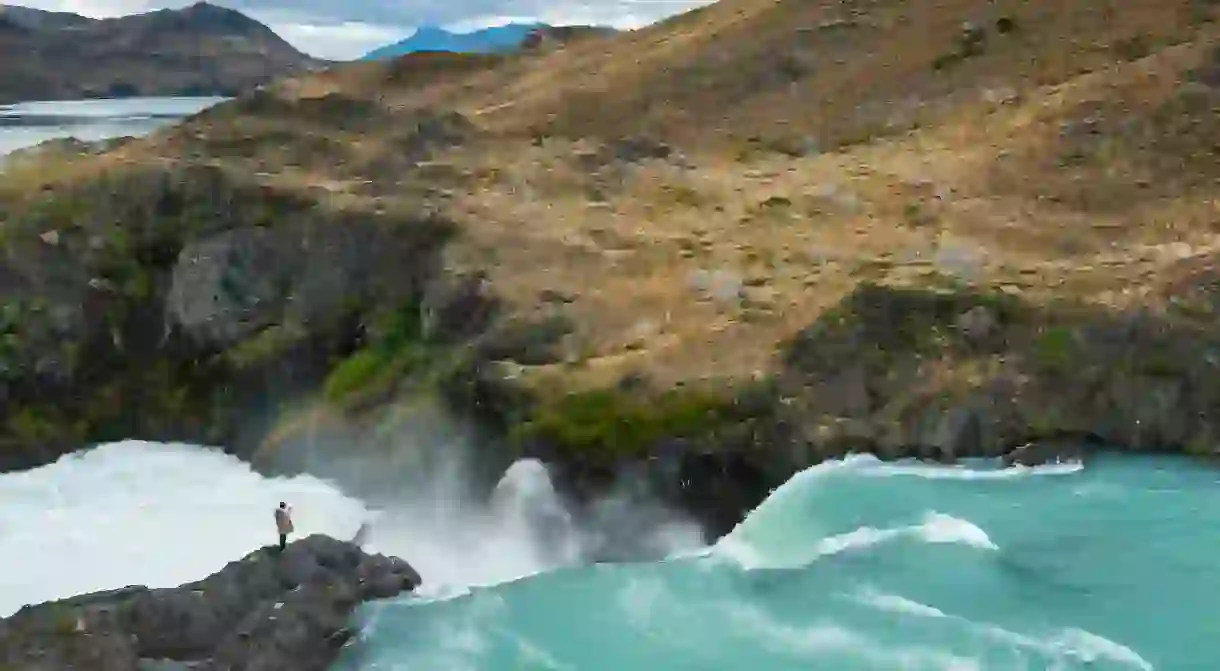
837,71
994,242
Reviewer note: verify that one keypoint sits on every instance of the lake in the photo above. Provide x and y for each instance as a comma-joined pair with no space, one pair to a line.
29,123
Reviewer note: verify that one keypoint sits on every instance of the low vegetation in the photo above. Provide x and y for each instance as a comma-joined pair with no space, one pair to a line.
892,214
616,424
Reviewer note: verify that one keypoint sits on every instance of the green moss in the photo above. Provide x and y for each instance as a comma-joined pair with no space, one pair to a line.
353,373
1056,349
265,346
613,423
397,352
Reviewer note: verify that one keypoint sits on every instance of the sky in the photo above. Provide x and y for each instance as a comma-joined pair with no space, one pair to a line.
347,29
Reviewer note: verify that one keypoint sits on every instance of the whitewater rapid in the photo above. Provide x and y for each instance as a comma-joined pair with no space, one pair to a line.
143,513
858,564
852,564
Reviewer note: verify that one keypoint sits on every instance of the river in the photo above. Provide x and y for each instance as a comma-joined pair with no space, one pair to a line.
852,564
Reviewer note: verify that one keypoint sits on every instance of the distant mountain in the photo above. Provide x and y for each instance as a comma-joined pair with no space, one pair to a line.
37,19
199,50
487,40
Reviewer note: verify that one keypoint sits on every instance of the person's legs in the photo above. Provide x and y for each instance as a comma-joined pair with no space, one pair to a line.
283,541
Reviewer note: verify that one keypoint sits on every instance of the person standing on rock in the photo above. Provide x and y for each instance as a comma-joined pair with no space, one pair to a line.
283,523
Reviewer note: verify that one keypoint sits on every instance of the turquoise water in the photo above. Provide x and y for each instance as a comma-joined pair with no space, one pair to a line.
859,565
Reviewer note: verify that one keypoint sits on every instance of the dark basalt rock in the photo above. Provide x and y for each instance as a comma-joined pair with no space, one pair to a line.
1046,452
266,612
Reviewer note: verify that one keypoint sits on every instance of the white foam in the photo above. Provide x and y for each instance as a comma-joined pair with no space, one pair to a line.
765,539
815,641
1070,644
795,552
961,472
139,513
938,528
423,472
161,515
1089,648
456,544
896,604
1074,644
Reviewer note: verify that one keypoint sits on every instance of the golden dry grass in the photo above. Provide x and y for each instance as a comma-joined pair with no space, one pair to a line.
1067,158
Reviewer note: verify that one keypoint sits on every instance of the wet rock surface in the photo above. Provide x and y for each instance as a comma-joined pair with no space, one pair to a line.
267,611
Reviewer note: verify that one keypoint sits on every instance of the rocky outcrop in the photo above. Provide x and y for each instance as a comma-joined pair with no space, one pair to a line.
228,286
1047,452
265,612
129,298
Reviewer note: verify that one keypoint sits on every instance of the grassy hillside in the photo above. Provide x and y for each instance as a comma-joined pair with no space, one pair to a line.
773,230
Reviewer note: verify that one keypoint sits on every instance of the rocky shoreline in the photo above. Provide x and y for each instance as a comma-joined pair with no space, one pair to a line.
266,612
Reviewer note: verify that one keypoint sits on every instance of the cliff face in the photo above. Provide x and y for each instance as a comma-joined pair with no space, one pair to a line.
724,247
199,50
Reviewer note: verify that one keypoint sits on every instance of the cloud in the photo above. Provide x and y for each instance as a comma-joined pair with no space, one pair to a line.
345,29
337,41
94,8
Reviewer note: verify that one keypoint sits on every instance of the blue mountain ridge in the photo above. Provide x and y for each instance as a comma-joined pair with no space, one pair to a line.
428,38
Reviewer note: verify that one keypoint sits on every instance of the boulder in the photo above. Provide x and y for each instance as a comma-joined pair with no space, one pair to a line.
267,611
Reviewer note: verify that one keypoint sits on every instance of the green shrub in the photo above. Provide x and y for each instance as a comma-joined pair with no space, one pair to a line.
614,423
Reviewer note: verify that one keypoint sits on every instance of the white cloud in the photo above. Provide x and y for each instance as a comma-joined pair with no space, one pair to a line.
347,40
344,29
98,9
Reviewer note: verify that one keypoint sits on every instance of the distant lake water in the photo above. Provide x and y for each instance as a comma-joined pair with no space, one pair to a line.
29,123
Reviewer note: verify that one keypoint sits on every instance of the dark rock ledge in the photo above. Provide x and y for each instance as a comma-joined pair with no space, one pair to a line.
265,612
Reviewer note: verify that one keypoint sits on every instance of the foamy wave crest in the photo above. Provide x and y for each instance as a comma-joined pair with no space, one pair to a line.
892,603
938,528
1071,644
796,552
957,472
819,641
1090,648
